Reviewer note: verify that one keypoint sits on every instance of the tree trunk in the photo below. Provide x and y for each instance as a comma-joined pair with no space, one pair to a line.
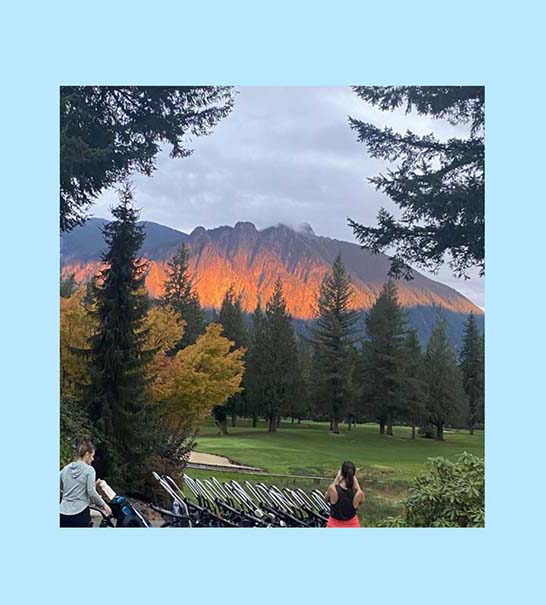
272,425
292,419
234,419
331,424
381,427
335,427
413,431
472,420
389,425
223,426
299,420
254,422
440,432
349,424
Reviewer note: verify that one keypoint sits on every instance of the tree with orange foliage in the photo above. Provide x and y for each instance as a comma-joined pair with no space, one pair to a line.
163,328
184,387
77,325
187,386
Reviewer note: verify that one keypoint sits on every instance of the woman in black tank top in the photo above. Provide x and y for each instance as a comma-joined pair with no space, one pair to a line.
345,496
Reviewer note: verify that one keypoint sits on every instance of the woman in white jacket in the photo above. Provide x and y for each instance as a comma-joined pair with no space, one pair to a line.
78,488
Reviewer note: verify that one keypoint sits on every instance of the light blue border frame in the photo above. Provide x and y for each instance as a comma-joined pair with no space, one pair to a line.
301,43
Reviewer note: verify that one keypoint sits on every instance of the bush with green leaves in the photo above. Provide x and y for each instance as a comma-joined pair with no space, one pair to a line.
448,494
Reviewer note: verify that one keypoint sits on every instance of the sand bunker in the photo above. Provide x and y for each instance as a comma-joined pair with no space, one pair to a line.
198,458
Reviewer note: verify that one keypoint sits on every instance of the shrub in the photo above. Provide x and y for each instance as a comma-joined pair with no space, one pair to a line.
167,453
448,494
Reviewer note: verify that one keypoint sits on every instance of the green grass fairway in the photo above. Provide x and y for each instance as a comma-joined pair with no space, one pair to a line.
386,464
309,449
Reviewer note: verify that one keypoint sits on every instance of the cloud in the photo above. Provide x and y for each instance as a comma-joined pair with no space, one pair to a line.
285,154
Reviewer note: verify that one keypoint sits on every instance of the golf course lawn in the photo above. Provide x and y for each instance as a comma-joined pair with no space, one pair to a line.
386,465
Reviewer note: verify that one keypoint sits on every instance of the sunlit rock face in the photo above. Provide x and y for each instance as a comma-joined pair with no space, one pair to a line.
251,260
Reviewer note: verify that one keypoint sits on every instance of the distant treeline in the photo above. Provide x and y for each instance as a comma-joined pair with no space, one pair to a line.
342,369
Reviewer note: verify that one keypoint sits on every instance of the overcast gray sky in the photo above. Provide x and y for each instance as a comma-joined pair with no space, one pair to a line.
284,155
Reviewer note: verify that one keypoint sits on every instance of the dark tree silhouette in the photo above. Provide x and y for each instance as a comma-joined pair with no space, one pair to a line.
439,186
117,355
108,132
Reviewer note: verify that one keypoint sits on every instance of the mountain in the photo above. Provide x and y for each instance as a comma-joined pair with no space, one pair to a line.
251,261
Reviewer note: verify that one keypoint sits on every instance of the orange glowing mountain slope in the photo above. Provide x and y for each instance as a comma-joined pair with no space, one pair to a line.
251,261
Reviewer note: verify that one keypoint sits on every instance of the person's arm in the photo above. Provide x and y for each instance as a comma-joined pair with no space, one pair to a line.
61,485
331,493
359,497
94,496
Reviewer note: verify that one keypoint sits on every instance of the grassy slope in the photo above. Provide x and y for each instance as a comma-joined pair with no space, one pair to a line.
387,465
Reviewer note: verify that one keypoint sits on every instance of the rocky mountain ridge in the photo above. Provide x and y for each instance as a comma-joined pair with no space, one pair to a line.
251,260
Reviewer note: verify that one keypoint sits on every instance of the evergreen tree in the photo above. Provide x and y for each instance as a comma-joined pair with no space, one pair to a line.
299,406
481,379
414,406
278,359
117,357
181,296
318,391
471,364
385,358
256,365
445,399
107,132
231,317
439,186
353,392
333,338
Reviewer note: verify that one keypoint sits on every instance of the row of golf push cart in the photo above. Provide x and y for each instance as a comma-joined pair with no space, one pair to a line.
227,504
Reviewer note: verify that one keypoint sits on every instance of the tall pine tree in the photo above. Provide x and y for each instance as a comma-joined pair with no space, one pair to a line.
256,365
278,357
445,399
333,338
181,296
481,378
414,404
231,317
299,407
471,364
117,356
384,358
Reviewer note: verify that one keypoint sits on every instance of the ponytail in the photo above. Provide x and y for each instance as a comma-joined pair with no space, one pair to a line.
349,478
348,472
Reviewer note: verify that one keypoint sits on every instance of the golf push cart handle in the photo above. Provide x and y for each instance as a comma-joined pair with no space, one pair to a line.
169,513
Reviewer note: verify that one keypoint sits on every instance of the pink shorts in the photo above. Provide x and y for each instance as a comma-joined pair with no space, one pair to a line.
336,523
